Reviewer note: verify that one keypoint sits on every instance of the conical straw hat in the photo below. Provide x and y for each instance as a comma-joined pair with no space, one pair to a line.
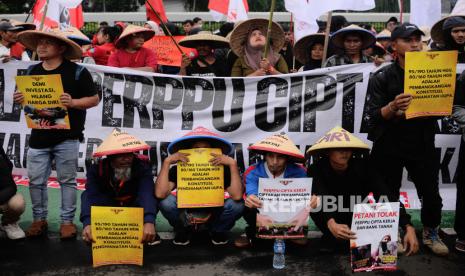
24,25
201,133
368,39
437,32
134,29
30,39
120,142
303,46
76,35
278,143
202,38
384,34
338,138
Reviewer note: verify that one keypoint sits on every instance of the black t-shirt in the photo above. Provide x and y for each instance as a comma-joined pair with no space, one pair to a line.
217,69
173,176
83,87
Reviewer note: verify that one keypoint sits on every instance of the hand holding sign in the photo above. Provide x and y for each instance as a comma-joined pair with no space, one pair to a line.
401,102
18,97
340,231
221,159
252,201
178,157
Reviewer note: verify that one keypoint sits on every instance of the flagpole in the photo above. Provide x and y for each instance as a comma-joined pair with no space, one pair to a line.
41,26
328,28
30,11
401,10
165,27
270,25
293,39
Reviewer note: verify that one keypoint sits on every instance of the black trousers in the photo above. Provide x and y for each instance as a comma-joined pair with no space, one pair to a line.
460,203
250,216
424,173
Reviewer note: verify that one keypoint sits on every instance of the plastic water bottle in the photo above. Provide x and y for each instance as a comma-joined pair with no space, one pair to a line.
279,261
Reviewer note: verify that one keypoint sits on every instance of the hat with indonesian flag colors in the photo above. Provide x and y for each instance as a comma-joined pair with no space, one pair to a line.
338,138
201,134
120,142
278,143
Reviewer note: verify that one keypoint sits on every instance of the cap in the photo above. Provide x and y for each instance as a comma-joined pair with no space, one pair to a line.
405,30
7,26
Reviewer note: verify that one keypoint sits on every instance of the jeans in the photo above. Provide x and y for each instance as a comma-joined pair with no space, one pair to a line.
223,218
39,167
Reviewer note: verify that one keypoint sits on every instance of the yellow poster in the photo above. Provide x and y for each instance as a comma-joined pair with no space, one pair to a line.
117,232
42,105
430,79
200,184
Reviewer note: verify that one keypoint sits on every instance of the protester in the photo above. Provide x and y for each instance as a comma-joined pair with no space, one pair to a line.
10,48
350,41
339,178
426,39
225,53
131,52
449,34
376,52
105,45
222,219
459,116
122,179
187,26
60,145
12,204
287,52
384,38
248,42
309,51
206,63
280,158
391,24
399,143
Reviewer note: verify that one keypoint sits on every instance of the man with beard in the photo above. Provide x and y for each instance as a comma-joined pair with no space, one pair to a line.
131,52
399,143
205,64
122,179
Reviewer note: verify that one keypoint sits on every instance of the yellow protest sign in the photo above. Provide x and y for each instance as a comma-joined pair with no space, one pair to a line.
430,79
42,105
117,232
200,184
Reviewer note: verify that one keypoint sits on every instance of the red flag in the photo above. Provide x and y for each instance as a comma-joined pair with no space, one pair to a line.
159,8
60,13
222,6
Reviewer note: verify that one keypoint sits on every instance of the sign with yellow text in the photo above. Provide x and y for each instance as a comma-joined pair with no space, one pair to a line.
42,105
430,79
117,232
200,184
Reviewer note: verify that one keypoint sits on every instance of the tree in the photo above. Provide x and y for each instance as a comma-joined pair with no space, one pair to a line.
111,5
16,6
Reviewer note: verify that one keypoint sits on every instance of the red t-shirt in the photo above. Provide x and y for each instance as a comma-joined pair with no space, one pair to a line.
143,58
101,53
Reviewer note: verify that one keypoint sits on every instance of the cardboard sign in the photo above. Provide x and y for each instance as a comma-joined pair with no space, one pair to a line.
430,79
166,51
42,105
375,226
200,184
286,208
117,232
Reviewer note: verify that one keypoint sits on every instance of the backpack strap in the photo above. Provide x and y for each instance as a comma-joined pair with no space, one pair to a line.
30,68
79,69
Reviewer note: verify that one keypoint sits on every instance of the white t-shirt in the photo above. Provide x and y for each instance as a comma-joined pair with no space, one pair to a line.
4,51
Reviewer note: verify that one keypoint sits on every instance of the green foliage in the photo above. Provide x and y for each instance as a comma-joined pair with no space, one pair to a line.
16,6
112,5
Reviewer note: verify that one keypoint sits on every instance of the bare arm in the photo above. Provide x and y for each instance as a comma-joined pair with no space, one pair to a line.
163,186
235,189
82,103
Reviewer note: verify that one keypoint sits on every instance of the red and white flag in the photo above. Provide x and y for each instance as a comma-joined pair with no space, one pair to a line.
159,8
234,10
310,10
60,13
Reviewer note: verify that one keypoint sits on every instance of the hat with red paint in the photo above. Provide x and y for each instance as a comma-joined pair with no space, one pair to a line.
120,142
201,134
278,143
338,138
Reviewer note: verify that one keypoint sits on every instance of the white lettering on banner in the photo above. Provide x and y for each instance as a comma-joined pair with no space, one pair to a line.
160,108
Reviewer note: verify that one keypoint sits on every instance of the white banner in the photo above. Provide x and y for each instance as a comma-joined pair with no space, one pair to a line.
160,108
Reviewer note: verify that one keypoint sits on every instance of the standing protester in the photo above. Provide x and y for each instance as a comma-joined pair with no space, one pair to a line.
248,42
280,158
340,174
131,52
449,34
10,48
350,41
187,26
105,45
45,145
399,143
391,24
122,179
219,219
309,51
287,52
206,63
12,204
384,38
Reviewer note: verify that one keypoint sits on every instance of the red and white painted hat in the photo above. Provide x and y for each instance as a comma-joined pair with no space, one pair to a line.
120,142
278,143
201,133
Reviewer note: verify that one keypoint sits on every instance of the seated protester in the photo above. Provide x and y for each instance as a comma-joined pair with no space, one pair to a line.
248,42
10,48
279,161
131,52
122,179
105,45
205,64
309,51
337,175
221,219
449,34
12,204
350,41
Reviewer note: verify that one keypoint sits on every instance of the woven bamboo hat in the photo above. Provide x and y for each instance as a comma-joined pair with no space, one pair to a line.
120,142
131,30
30,39
303,46
338,138
368,39
204,38
278,143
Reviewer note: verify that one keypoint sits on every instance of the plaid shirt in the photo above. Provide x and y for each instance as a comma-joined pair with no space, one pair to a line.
337,60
